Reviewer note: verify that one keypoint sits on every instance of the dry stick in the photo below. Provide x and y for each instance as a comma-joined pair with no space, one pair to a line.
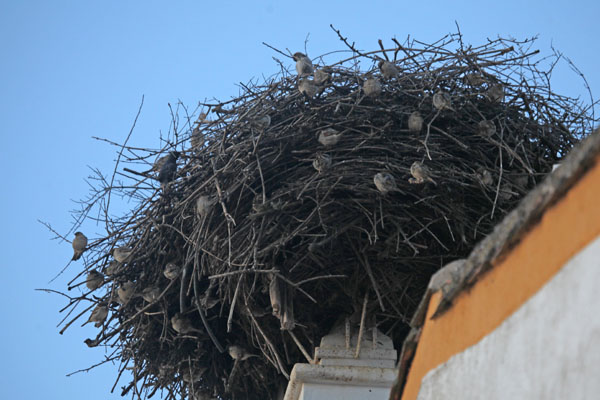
75,319
302,349
270,344
232,307
362,324
204,320
244,271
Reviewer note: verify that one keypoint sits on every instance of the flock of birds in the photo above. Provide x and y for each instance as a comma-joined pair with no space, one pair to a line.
164,171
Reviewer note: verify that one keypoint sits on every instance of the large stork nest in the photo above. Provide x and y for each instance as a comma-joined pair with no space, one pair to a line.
271,233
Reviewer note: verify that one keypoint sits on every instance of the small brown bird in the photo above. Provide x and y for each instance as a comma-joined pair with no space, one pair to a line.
183,325
94,280
79,245
304,65
372,87
262,123
238,353
385,182
125,292
322,162
329,137
99,315
113,268
475,79
204,204
322,76
150,294
168,169
171,271
420,173
486,128
193,376
122,254
442,100
484,176
495,93
308,88
388,69
415,122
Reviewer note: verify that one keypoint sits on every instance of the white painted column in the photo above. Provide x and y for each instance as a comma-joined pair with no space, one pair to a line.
339,375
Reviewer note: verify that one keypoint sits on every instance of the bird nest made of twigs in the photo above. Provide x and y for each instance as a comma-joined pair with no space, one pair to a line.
275,213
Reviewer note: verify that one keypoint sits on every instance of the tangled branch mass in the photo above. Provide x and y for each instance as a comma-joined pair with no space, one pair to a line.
268,218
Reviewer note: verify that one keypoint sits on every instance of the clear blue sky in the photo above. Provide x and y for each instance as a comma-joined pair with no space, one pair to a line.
71,70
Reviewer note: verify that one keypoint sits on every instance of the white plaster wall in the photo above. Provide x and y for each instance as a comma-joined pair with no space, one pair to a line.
548,349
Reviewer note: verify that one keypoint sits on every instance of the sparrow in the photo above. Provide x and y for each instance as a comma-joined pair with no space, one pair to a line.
506,192
171,271
495,93
94,280
99,315
168,169
329,137
486,128
475,79
79,245
304,65
196,138
385,182
263,122
192,376
415,122
322,76
238,353
484,176
122,254
182,324
388,69
441,100
126,291
204,205
322,162
372,87
307,88
420,173
113,268
150,294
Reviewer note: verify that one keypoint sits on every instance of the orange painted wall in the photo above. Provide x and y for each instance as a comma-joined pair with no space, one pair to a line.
565,229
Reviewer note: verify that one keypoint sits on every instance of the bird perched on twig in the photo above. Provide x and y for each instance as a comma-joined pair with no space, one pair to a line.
415,122
486,128
322,162
94,280
372,87
126,291
98,315
150,294
329,137
308,88
495,93
442,100
79,245
304,65
322,76
122,254
183,325
113,268
168,169
238,353
388,69
475,79
171,271
385,182
420,173
262,123
204,205
484,176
